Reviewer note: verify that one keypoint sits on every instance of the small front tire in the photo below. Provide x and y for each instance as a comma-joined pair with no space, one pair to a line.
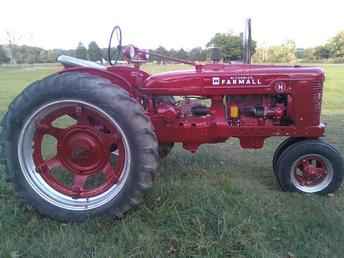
281,147
310,166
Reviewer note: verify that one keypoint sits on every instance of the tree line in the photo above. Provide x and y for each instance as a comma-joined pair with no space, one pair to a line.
229,43
331,52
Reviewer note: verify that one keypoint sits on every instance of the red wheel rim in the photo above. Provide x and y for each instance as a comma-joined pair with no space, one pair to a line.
312,173
84,149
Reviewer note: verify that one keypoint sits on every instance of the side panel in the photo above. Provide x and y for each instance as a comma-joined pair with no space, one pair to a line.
225,81
299,95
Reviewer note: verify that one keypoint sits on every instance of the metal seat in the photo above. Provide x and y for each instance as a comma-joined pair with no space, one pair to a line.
69,61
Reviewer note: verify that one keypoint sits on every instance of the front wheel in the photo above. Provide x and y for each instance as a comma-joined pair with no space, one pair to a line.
310,166
80,147
281,147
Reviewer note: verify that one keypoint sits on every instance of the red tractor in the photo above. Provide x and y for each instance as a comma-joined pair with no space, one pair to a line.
108,126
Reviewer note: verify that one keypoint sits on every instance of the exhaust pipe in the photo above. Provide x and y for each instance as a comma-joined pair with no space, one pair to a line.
247,42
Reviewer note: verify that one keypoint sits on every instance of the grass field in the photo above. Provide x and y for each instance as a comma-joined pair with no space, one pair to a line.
221,202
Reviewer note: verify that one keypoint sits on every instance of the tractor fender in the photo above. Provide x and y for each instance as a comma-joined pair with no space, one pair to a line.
111,76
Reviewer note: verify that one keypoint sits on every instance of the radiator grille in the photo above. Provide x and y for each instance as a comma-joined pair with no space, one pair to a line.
317,88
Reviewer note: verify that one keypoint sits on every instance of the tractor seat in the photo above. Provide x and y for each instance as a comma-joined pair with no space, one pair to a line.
69,61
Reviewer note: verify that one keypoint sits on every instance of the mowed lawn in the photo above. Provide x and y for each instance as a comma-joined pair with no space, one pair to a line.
221,202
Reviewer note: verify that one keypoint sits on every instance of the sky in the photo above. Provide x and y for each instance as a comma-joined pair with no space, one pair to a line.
173,24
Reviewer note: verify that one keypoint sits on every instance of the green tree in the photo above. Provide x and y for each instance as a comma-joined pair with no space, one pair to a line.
3,56
53,54
309,54
198,54
25,54
182,54
162,51
43,56
94,52
336,45
322,52
172,52
284,53
81,51
230,45
261,55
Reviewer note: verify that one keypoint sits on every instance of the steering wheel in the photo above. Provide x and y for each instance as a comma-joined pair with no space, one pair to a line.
118,32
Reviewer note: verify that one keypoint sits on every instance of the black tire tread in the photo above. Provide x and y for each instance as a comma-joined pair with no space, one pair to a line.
92,85
311,144
281,147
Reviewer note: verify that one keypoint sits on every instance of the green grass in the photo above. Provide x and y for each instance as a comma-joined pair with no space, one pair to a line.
221,202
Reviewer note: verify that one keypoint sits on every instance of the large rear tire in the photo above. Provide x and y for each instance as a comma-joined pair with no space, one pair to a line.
107,155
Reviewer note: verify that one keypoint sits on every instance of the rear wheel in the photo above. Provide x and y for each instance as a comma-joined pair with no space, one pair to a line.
81,147
310,166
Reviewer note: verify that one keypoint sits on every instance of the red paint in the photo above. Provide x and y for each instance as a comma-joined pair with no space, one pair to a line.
256,89
83,149
313,169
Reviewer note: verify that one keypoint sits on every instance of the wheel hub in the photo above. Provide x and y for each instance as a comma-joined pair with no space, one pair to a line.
311,173
82,150
82,166
66,150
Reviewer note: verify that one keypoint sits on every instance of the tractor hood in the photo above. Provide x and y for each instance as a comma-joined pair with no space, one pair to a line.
209,79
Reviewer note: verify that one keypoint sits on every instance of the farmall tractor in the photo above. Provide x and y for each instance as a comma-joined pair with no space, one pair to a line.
106,127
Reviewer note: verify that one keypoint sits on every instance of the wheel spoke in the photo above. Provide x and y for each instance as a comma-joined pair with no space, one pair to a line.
314,172
53,163
47,165
51,130
305,164
79,182
321,172
301,179
81,116
109,171
87,154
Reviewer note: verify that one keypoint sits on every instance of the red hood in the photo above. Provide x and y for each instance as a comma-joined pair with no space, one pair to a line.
292,72
215,79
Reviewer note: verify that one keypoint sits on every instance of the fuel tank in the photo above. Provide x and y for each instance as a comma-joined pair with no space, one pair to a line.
229,79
